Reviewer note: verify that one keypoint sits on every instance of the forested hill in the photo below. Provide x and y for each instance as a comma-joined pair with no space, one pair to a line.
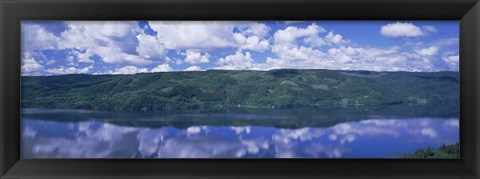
285,88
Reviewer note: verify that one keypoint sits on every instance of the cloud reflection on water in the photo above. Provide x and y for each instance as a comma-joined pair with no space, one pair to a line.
375,138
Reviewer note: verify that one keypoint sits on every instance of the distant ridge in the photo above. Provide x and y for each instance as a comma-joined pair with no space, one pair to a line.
283,88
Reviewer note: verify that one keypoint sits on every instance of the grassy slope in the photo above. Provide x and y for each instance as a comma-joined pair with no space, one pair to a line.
262,89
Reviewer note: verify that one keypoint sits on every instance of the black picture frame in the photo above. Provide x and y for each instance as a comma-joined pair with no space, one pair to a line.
13,11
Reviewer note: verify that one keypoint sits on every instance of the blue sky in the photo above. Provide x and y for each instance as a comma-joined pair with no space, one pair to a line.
128,47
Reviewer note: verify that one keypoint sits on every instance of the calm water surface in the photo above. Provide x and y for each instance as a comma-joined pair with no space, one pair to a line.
380,132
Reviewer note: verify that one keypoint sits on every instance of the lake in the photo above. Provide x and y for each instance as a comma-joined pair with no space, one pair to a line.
323,132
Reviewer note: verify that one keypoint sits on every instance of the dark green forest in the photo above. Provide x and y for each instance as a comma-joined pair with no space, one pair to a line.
444,151
286,88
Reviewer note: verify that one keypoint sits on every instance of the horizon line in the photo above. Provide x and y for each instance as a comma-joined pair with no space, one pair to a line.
239,71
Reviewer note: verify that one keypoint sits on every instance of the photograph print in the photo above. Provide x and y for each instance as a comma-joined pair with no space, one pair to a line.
240,89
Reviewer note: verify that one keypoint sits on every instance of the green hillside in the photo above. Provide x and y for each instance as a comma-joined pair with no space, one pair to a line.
285,88
444,151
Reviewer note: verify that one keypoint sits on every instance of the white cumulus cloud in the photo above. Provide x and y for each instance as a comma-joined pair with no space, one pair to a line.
162,68
404,29
195,57
193,68
237,61
452,61
253,29
69,70
194,35
251,43
115,42
35,37
129,70
150,47
428,51
30,66
286,46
